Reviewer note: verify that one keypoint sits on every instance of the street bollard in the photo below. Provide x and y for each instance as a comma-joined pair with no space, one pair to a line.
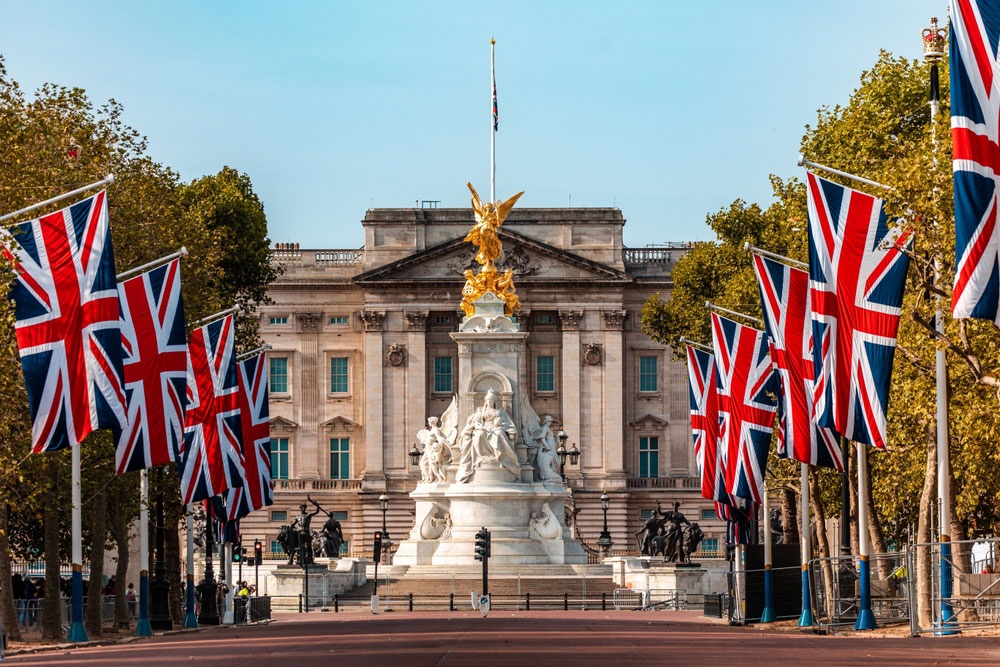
336,603
565,601
527,601
604,601
411,601
451,602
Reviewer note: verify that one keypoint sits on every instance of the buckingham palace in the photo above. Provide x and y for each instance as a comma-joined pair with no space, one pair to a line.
362,355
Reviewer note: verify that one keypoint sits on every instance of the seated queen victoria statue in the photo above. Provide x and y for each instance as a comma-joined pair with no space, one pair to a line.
488,436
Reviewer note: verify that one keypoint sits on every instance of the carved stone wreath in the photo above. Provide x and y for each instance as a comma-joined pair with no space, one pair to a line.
593,353
395,354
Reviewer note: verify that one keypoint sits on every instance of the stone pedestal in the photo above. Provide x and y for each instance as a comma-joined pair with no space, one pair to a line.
324,580
653,574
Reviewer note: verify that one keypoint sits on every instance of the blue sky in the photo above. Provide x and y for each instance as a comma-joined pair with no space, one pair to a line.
668,110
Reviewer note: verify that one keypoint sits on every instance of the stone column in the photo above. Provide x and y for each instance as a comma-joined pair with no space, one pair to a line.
614,393
373,475
570,388
312,389
416,378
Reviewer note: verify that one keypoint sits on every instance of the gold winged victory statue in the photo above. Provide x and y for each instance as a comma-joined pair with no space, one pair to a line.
489,217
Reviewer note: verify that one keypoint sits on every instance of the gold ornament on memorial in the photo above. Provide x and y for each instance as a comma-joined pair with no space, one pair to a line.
483,235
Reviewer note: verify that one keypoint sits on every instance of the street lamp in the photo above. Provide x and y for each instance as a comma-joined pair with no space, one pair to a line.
383,502
573,454
605,541
415,455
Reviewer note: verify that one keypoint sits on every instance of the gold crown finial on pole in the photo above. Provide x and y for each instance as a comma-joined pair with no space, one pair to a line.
934,40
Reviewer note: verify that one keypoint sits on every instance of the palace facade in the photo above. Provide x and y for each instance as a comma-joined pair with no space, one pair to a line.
361,357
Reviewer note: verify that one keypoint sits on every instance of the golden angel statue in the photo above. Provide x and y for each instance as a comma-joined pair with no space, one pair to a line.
489,217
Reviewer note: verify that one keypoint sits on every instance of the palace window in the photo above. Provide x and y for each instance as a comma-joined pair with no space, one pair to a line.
338,375
279,516
647,374
707,514
276,547
649,456
545,374
278,374
709,545
279,458
278,320
442,375
340,320
340,458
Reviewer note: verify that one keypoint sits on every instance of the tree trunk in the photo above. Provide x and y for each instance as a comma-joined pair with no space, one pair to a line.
819,520
8,612
52,604
923,554
119,529
884,565
172,559
95,600
789,517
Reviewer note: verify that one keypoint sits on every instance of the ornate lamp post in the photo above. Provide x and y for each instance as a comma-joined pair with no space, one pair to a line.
562,453
209,612
604,541
159,586
415,455
383,503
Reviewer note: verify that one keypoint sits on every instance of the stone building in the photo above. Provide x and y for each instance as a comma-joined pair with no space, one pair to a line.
362,356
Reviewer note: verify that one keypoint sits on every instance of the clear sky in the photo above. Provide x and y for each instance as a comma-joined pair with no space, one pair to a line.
668,110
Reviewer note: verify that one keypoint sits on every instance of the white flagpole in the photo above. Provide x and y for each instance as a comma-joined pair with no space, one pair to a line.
866,617
107,180
767,615
190,619
142,626
217,316
151,265
247,355
493,125
711,306
860,179
77,633
806,618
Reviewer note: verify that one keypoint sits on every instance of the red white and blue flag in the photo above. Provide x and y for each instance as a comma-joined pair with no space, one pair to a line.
68,329
704,398
211,459
257,490
975,133
857,272
496,114
155,351
784,295
747,379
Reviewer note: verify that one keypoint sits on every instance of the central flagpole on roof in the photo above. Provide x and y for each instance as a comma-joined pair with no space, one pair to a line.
494,123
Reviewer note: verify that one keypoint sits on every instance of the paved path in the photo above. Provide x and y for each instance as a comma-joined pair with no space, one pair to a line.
519,639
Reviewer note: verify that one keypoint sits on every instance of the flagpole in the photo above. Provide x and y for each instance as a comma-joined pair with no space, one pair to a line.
775,256
142,627
933,40
692,343
107,180
190,619
217,316
77,633
247,355
712,306
767,615
151,265
860,179
493,125
806,617
866,618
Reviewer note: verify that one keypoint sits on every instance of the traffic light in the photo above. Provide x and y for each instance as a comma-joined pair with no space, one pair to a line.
482,544
237,554
258,552
378,546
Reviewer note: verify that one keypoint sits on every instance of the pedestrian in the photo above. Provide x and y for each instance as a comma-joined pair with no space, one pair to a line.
17,589
30,600
130,596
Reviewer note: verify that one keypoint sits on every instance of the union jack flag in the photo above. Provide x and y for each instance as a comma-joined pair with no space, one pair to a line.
216,515
155,355
704,397
784,295
496,114
258,490
747,380
738,516
211,458
68,331
857,272
975,133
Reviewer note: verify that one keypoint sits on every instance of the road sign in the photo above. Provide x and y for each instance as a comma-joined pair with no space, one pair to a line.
484,604
374,604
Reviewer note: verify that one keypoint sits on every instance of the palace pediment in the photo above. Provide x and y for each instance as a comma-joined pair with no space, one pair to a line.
531,260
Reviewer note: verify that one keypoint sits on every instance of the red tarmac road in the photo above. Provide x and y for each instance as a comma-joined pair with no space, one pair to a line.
519,639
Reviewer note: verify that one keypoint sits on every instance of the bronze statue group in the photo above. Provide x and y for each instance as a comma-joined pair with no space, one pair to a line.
302,544
669,534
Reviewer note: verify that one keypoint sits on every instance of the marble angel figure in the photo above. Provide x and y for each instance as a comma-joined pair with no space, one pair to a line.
541,443
438,439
